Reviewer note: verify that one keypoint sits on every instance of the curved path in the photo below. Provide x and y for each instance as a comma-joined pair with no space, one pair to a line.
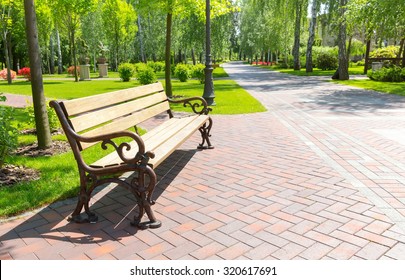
320,175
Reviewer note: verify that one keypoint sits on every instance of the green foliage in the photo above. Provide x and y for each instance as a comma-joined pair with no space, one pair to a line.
157,66
52,117
392,74
126,71
198,71
387,52
360,63
8,133
182,72
146,75
326,61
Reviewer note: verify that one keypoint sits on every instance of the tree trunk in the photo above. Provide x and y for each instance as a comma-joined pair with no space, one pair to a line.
368,46
141,40
169,91
51,60
60,66
193,56
8,57
297,34
401,52
343,65
40,110
72,40
403,56
349,49
311,38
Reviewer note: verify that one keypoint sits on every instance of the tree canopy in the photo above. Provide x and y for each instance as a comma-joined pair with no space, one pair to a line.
136,30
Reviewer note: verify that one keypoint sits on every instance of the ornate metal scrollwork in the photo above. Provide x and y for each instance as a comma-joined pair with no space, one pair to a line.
122,149
197,104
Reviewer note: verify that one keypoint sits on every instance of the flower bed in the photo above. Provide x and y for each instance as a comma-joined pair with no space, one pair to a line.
3,74
26,72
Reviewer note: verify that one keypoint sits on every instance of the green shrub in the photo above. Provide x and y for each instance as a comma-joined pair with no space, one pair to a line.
327,61
126,71
198,71
182,72
360,63
146,75
8,133
387,52
52,117
157,66
392,74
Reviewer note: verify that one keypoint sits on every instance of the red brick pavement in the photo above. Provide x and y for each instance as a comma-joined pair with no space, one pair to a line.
320,175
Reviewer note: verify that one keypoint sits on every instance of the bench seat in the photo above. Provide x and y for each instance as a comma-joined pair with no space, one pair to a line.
161,140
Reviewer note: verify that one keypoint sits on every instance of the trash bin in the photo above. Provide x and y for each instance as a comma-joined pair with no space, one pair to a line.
375,66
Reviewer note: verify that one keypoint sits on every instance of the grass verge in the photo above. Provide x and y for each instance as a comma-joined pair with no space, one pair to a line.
354,70
385,87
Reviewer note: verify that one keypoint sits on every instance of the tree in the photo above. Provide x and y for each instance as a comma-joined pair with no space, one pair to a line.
45,27
181,9
300,8
121,26
40,109
311,38
6,23
69,13
93,31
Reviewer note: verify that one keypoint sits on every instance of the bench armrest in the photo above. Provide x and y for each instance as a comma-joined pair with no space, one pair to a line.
195,103
122,149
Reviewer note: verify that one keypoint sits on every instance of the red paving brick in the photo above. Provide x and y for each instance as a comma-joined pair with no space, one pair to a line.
317,176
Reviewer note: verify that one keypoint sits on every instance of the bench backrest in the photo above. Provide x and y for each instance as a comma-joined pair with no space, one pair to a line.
114,111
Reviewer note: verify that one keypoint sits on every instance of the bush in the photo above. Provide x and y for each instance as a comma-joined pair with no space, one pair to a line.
26,72
8,133
387,52
3,74
126,71
182,72
52,117
146,75
360,63
392,74
326,61
156,66
198,71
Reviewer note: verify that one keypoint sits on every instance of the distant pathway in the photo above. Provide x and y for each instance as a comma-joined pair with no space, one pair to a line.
17,100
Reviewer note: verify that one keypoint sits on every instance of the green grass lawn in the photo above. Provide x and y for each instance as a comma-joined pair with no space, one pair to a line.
354,70
385,87
59,175
229,97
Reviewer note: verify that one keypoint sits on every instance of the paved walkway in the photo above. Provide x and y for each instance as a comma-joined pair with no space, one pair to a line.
16,100
320,175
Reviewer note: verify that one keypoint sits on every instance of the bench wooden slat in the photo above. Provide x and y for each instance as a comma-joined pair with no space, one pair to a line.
168,137
86,104
94,118
162,136
126,122
163,151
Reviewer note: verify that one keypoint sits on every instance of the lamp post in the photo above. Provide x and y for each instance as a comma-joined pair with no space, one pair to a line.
208,85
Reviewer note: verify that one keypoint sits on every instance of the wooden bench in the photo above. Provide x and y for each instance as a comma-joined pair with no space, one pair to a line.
105,119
